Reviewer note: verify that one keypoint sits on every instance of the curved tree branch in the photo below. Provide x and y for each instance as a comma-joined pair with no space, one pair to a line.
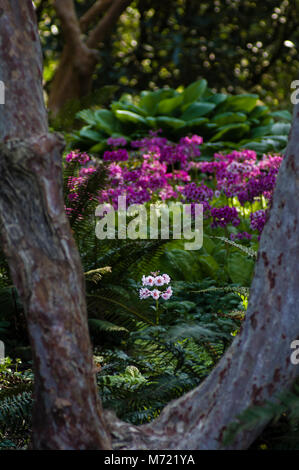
69,22
106,24
94,11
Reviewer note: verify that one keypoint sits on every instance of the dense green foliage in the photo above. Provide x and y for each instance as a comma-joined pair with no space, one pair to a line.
235,45
224,121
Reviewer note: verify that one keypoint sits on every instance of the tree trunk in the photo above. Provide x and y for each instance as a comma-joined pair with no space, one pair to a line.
79,59
43,259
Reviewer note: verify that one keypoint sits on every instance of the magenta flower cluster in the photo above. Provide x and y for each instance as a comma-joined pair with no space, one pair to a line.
155,169
222,216
240,175
119,155
117,141
258,220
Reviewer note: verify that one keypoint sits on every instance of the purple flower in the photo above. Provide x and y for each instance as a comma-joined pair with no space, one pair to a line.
224,215
258,220
117,141
120,155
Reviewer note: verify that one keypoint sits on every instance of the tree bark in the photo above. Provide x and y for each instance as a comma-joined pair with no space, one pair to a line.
73,77
43,259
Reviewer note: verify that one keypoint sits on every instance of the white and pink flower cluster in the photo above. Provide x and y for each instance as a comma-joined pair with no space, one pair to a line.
155,280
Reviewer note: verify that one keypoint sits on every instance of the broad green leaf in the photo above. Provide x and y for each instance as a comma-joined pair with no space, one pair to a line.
126,98
86,115
196,122
98,148
148,103
169,105
151,121
105,120
240,269
281,128
243,103
169,122
258,111
150,99
228,118
197,110
261,131
88,133
129,117
231,132
263,146
117,105
267,121
286,115
194,91
217,98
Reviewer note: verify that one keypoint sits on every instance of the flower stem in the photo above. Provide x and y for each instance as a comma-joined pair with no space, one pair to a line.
157,312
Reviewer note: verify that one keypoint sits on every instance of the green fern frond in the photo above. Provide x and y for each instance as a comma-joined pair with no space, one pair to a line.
15,411
238,290
249,251
96,275
106,326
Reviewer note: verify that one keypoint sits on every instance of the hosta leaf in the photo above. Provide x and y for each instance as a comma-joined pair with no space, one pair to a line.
88,133
286,115
197,110
169,105
194,91
261,131
281,128
151,121
260,147
150,99
259,111
196,122
128,107
231,132
106,121
98,148
129,116
170,122
228,118
218,98
243,103
86,115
